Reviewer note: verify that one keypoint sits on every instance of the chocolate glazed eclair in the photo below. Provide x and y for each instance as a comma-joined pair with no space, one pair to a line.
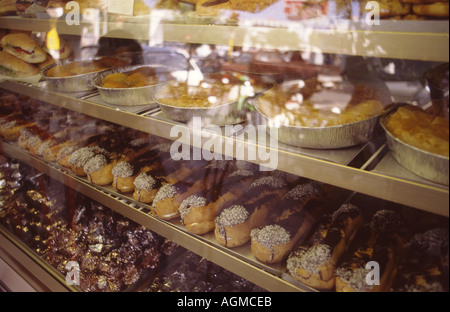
199,211
272,243
315,265
234,224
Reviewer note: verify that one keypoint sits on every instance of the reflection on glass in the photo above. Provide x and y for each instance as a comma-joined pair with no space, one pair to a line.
194,89
312,103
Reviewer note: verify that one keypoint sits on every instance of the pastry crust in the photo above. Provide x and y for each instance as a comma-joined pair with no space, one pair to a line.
214,7
315,265
11,129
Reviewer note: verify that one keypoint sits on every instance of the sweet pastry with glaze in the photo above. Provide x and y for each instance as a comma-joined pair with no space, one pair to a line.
109,142
314,265
11,127
55,139
124,173
169,198
31,136
424,268
156,161
134,163
68,137
99,168
81,156
382,241
234,224
51,152
273,242
146,186
38,138
199,211
64,152
79,141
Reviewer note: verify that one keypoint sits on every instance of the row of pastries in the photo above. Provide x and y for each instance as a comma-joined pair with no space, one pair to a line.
399,9
324,241
113,253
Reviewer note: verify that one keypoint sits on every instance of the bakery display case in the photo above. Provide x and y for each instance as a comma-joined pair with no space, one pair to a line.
225,145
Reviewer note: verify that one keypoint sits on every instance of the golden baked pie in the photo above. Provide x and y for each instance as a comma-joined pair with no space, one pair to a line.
209,91
415,127
311,104
85,67
140,77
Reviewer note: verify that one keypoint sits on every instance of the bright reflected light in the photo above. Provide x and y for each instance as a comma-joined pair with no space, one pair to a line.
212,100
336,110
53,43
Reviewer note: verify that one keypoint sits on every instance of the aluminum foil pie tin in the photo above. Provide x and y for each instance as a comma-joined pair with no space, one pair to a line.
129,96
226,114
427,165
332,137
77,83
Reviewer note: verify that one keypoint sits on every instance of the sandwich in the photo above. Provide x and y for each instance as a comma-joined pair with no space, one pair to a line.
23,47
14,67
